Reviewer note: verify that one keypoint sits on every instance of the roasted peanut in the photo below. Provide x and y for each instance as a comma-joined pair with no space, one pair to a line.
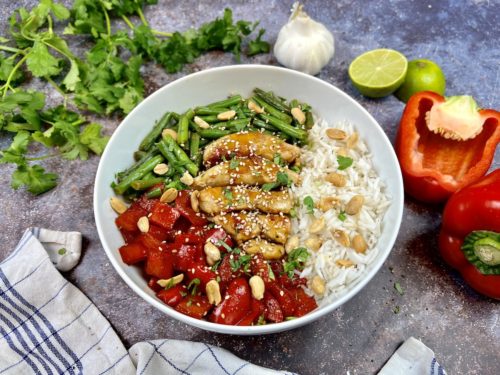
201,123
257,286
354,205
169,132
143,224
169,195
252,106
345,263
327,203
160,169
118,205
336,134
213,292
292,243
228,115
164,283
187,179
317,225
195,202
298,115
314,243
343,151
359,244
341,237
212,252
318,285
352,140
336,179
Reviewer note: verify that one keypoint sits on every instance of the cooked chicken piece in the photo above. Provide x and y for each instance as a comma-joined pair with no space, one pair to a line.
242,171
249,144
215,200
243,226
269,250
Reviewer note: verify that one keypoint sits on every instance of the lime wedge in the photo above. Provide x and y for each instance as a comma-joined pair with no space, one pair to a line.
379,72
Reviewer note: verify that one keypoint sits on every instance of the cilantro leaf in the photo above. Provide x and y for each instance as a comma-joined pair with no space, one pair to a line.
40,62
296,260
92,138
281,180
342,216
34,178
309,203
344,162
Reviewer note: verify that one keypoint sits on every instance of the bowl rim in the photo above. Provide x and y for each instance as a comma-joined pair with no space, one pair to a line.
268,328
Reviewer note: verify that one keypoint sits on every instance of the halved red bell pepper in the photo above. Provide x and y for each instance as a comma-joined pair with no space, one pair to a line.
444,144
469,240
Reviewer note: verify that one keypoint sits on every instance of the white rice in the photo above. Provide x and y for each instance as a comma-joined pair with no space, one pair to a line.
319,159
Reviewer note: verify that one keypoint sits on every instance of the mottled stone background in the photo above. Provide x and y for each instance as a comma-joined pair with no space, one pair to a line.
462,327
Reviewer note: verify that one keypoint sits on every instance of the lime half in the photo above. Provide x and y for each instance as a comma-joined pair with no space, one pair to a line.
379,72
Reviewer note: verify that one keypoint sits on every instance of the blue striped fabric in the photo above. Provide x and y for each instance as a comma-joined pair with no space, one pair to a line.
49,327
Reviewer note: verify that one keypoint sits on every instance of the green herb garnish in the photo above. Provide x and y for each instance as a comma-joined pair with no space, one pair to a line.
234,163
228,194
309,203
344,162
281,180
398,288
295,261
61,251
342,216
193,286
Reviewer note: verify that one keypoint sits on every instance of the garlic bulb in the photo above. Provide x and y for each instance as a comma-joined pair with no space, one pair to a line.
303,44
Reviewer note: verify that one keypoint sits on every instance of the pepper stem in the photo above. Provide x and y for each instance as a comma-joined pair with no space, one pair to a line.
488,250
482,249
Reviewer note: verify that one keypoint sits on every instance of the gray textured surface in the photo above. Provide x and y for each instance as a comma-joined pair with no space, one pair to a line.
462,327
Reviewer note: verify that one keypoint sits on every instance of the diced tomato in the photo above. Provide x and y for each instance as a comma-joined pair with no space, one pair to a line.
173,295
128,219
164,215
153,284
133,253
188,239
186,255
183,204
160,262
215,235
257,309
284,298
260,267
272,312
194,306
201,272
231,310
304,303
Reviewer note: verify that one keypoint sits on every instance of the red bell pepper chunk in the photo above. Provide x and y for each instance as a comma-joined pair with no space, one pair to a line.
153,284
146,203
201,272
188,239
183,205
284,298
129,236
272,311
160,262
469,239
304,303
133,253
128,219
194,306
158,232
231,310
218,236
434,165
257,309
260,267
173,295
187,255
164,215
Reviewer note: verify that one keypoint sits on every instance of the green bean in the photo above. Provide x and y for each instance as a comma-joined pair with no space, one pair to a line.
204,142
155,193
209,118
150,139
271,99
309,120
238,124
194,145
273,111
146,183
205,111
214,133
285,128
271,130
149,155
180,154
137,174
183,127
173,163
138,155
232,100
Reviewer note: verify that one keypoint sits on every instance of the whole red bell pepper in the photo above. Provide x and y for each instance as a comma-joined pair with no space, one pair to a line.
469,240
444,144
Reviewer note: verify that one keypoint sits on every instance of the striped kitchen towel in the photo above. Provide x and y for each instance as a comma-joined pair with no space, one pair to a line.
49,327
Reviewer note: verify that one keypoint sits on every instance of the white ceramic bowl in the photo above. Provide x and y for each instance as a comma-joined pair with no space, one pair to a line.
207,86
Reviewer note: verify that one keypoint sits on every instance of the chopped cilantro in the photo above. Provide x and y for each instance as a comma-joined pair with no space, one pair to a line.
344,162
296,260
193,286
61,251
228,194
398,288
309,203
261,321
281,180
396,309
234,163
342,216
278,160
293,213
241,261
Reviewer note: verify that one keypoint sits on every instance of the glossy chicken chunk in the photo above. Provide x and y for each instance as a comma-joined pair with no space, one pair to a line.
269,250
243,226
215,200
247,145
242,171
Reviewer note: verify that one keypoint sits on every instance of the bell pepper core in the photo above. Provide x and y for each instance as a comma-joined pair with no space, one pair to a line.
444,144
482,248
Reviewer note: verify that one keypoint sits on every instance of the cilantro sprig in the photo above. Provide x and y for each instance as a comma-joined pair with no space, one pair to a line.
105,80
282,179
296,260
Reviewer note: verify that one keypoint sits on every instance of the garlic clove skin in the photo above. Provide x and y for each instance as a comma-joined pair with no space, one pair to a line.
304,44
